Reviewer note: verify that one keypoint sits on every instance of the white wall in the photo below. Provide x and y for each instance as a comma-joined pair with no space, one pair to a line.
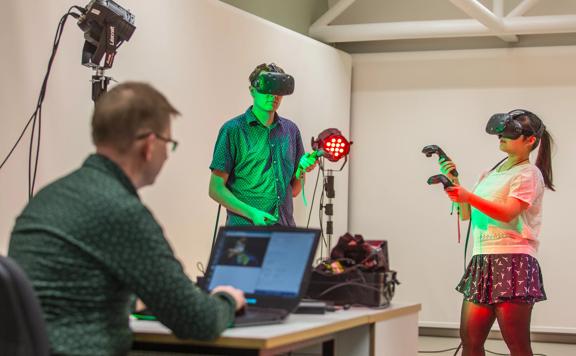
402,102
199,53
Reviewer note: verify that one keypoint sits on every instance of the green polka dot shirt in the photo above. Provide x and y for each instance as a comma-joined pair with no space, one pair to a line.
90,246
261,162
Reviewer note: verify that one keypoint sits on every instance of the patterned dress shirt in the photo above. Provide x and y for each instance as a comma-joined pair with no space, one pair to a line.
261,162
89,245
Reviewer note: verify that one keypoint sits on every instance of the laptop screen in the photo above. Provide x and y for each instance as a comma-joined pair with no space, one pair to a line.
266,262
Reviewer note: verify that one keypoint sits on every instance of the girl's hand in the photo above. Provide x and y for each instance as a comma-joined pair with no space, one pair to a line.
447,166
458,194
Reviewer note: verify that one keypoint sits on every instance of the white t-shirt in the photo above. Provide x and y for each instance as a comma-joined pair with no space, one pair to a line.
491,236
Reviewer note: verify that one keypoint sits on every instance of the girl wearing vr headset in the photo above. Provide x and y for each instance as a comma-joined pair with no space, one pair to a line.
503,280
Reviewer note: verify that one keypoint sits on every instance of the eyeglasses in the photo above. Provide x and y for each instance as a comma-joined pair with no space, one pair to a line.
173,143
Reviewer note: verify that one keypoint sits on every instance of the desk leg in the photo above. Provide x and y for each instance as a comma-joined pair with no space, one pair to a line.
323,345
397,337
328,348
355,341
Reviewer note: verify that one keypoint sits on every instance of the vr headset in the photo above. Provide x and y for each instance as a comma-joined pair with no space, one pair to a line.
274,83
506,125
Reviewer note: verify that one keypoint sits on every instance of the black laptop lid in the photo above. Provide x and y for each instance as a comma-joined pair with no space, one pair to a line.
272,265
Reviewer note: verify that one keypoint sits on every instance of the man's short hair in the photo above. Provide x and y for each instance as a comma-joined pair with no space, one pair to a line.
127,110
264,68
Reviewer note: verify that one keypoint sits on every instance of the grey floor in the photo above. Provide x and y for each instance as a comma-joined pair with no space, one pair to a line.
427,343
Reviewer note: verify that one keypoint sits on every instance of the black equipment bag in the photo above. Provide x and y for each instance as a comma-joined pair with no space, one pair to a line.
354,286
355,274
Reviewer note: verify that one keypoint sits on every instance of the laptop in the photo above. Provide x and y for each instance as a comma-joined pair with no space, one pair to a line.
270,264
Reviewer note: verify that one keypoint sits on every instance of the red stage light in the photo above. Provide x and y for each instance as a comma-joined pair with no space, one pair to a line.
334,144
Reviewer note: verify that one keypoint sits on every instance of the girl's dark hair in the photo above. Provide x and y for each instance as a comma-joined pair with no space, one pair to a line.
532,122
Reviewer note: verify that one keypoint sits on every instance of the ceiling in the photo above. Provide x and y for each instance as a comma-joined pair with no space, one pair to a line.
360,26
369,11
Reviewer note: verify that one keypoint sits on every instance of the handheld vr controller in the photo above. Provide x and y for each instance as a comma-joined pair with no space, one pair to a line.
315,154
440,178
431,149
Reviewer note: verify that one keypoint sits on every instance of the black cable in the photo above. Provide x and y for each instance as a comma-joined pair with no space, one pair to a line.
321,215
498,353
30,154
313,197
321,222
348,283
36,117
438,351
38,114
216,227
31,192
458,349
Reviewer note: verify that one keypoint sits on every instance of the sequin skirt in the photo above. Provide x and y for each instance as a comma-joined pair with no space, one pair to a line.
497,278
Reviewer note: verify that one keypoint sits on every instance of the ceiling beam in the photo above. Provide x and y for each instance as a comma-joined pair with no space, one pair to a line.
498,8
477,11
333,13
442,29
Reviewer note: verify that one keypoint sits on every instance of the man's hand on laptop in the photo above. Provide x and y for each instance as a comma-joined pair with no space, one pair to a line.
237,294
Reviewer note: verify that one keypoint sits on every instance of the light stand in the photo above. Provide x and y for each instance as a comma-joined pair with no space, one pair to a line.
332,146
328,208
99,83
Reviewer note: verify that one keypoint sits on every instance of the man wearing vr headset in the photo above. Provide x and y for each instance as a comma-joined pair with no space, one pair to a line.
503,280
259,158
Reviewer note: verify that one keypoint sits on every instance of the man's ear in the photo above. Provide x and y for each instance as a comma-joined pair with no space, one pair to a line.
252,89
147,148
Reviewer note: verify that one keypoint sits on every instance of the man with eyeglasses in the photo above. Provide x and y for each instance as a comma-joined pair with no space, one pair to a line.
90,246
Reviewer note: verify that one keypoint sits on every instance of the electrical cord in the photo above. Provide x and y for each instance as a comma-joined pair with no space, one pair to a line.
321,215
313,197
438,351
321,222
458,349
36,117
216,227
348,283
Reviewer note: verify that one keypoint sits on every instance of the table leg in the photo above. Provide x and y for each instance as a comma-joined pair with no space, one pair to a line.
328,348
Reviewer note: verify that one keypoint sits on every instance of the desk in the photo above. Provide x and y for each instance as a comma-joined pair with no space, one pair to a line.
358,331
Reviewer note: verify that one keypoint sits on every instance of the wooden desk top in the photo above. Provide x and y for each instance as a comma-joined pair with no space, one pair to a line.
297,328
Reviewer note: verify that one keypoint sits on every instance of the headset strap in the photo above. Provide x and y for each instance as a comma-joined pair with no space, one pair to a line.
497,164
467,238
